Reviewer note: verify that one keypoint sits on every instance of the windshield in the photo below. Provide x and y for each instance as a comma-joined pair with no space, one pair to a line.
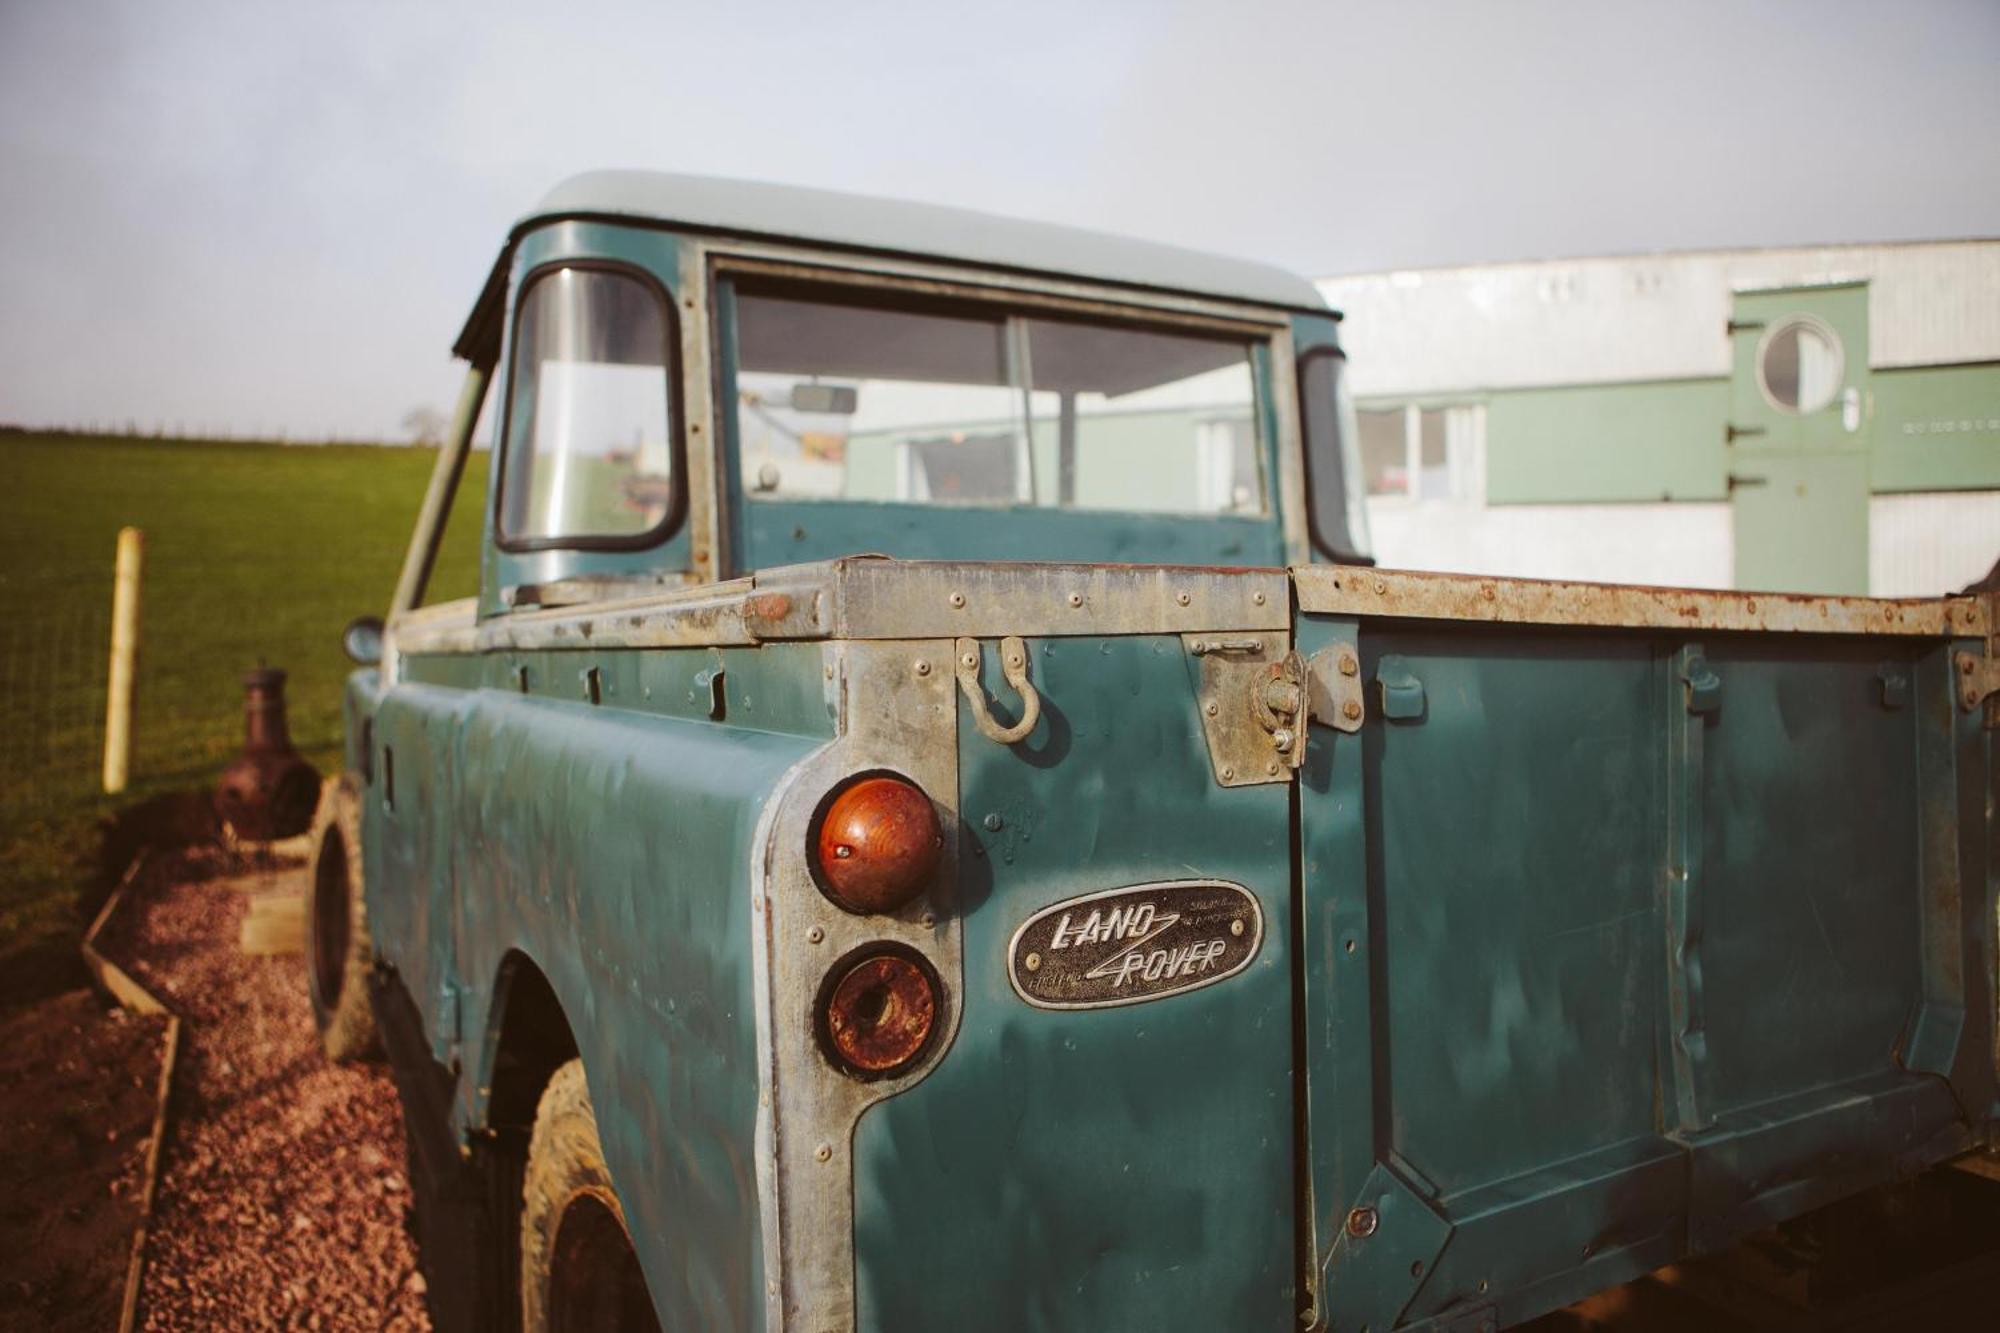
848,397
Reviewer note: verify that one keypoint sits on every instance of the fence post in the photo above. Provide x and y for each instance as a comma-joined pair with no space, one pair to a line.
124,652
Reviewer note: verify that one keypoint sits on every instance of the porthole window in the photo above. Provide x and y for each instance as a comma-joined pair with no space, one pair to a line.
1800,365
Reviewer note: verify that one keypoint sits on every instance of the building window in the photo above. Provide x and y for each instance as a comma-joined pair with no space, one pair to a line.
1423,453
1799,364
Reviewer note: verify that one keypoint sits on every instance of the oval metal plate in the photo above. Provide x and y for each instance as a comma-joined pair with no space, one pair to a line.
1141,942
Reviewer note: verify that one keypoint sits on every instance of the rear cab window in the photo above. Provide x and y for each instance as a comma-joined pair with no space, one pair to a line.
853,396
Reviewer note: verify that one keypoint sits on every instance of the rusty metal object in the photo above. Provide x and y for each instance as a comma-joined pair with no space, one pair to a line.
879,845
1978,679
1334,694
879,1013
1014,666
1332,590
1242,677
269,791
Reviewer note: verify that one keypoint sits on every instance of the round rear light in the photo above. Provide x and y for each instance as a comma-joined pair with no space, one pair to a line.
878,1011
877,845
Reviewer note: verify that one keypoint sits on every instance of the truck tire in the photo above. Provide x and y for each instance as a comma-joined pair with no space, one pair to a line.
579,1273
338,950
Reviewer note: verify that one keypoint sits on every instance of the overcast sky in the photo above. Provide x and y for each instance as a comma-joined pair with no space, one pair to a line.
266,217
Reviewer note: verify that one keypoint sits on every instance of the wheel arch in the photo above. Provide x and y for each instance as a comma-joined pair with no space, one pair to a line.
528,1037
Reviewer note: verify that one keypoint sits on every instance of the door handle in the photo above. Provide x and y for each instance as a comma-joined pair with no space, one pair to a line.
1732,432
1736,480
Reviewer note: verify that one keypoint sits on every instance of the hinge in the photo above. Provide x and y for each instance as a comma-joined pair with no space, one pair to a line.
1334,695
1978,679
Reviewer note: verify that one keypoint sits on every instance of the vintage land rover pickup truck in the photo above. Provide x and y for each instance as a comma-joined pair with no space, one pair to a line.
932,821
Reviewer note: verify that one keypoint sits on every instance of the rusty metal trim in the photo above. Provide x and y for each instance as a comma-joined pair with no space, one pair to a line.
880,599
1242,751
1328,590
894,717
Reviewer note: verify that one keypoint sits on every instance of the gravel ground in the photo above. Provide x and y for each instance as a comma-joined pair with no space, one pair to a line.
282,1196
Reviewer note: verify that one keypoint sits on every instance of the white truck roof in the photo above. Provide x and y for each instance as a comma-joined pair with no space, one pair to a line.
752,208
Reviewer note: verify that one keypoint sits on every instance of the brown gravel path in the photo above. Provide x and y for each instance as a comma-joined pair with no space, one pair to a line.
282,1196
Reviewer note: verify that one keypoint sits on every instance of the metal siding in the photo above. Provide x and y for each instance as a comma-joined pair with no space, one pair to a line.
1647,317
1930,545
1671,545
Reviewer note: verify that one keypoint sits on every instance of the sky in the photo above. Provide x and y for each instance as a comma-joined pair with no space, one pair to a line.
271,219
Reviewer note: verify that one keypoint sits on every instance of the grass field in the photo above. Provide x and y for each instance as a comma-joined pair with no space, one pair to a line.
254,553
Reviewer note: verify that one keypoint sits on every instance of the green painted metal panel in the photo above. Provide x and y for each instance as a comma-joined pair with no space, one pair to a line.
1936,428
612,849
1617,946
1112,1168
1799,478
608,846
1607,442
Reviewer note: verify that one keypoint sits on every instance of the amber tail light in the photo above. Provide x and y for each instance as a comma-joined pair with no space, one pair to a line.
878,1011
877,844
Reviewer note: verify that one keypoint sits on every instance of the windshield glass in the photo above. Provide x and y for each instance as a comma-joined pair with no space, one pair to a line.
846,397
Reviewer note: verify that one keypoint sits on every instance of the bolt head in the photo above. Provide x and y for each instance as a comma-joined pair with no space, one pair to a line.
1033,962
1348,666
1183,598
922,667
1076,599
1362,1221
1257,598
1351,710
957,600
815,934
1212,709
823,1153
1228,774
1236,926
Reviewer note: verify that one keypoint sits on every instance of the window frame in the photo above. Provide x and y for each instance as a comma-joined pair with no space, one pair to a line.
1354,554
874,288
677,503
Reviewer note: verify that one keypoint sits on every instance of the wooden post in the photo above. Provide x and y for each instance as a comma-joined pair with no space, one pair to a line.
124,654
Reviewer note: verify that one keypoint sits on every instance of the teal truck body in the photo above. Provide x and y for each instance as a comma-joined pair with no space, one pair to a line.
1456,946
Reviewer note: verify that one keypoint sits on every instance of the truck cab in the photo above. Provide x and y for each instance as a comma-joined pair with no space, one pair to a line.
933,819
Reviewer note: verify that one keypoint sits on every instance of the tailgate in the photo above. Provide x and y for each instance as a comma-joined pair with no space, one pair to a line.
1633,922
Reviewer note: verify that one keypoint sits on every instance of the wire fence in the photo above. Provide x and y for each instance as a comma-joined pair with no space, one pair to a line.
54,669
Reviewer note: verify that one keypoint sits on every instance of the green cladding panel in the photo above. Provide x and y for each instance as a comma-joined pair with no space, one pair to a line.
1607,442
1937,428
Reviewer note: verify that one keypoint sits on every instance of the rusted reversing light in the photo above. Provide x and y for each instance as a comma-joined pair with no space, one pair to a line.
878,844
878,1010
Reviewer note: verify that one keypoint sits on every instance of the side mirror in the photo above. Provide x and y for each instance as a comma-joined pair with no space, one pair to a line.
363,639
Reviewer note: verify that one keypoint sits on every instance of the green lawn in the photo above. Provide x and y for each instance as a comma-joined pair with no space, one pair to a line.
254,553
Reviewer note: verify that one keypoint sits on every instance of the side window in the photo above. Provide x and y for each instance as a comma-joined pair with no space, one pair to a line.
592,447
